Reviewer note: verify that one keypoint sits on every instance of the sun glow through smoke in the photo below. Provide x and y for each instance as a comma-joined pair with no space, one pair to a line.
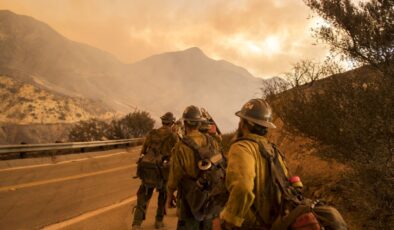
272,45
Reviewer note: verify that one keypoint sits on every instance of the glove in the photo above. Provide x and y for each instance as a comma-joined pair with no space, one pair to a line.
171,200
216,224
228,226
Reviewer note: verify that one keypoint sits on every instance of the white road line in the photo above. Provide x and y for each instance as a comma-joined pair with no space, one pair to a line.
88,215
64,162
56,180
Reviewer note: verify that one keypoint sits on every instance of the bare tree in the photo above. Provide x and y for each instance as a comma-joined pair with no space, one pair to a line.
331,67
298,74
273,86
308,71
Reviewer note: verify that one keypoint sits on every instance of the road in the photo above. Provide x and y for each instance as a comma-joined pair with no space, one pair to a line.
76,191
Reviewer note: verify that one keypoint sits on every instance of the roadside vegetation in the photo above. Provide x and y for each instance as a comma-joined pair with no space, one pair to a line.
133,125
350,111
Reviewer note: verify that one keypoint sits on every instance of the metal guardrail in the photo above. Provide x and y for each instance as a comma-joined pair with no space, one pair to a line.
25,148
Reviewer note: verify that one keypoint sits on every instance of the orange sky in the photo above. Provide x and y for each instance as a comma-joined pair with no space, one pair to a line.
264,36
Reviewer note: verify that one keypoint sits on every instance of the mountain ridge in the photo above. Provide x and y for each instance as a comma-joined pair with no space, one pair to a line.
164,82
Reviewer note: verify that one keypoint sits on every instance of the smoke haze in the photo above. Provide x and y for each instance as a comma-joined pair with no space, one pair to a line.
265,37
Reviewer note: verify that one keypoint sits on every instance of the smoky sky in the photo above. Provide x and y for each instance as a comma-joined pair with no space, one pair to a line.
264,36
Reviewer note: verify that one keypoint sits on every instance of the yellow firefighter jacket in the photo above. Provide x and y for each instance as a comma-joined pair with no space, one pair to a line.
246,178
182,160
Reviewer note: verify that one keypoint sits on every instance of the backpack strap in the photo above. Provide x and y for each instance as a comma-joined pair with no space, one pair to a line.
189,142
152,135
275,168
197,150
165,140
276,175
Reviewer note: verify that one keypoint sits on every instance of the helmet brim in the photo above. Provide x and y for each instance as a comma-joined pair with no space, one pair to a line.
167,120
194,120
255,121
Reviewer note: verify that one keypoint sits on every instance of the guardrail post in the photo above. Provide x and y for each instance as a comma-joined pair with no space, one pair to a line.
22,154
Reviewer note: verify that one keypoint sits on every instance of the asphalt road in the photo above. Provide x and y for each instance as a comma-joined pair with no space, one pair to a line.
77,191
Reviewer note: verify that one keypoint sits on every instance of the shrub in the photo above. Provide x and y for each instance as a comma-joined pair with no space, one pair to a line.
62,116
13,90
136,124
354,115
30,108
90,130
116,130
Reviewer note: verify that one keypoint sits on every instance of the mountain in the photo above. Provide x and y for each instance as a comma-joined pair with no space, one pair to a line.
34,53
174,80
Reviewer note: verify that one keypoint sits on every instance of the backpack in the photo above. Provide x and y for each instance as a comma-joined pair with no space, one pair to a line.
295,211
206,194
153,165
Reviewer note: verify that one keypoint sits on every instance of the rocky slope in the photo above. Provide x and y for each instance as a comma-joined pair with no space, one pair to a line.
23,103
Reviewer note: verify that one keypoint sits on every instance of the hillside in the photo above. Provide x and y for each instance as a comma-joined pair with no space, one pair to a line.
338,136
34,53
23,103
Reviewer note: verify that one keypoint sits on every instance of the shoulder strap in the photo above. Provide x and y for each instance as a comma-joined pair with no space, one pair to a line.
163,141
276,149
189,142
148,146
276,172
269,159
275,168
262,150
